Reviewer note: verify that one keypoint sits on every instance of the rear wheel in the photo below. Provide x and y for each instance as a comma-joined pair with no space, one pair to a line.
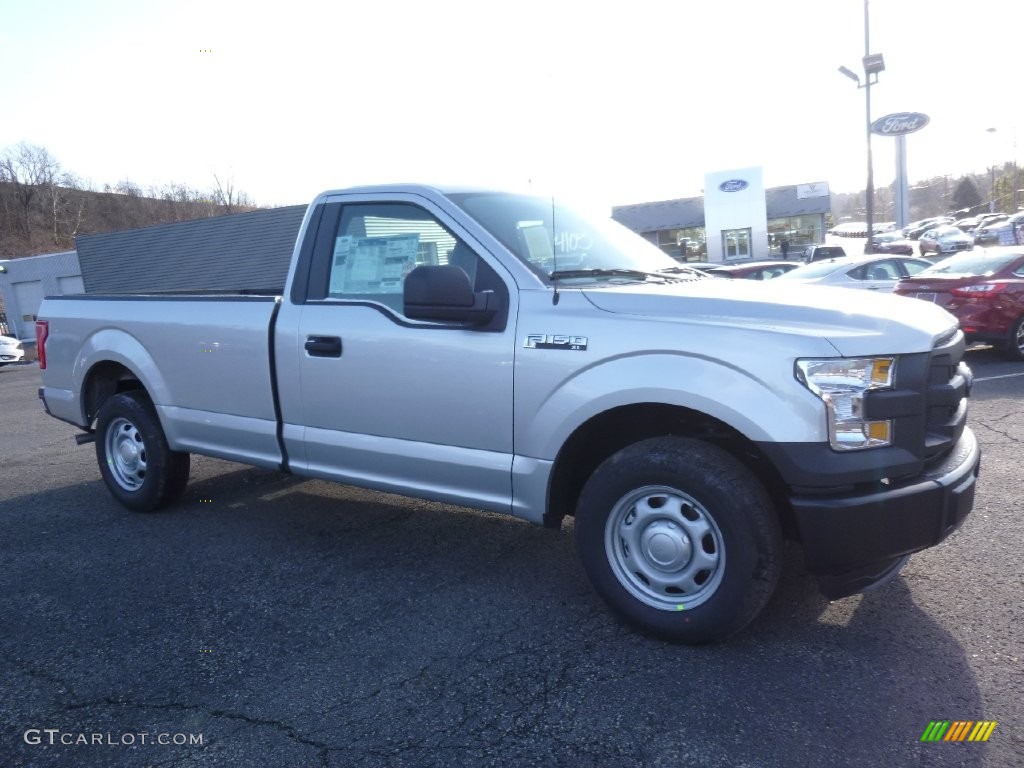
680,539
1015,342
137,465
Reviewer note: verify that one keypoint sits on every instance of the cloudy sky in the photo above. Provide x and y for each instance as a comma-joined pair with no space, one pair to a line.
613,102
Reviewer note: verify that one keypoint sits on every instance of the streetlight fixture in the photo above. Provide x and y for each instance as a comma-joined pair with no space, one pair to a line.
873,64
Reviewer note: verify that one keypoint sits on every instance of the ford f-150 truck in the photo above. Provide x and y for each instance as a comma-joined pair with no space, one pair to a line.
508,353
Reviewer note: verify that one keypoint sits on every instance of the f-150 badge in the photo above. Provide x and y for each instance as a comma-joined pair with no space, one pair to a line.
555,341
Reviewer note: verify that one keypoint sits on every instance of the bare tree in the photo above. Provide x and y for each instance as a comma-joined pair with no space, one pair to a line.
67,208
226,195
30,170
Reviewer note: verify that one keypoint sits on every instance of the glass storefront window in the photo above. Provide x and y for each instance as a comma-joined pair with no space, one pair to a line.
686,244
799,231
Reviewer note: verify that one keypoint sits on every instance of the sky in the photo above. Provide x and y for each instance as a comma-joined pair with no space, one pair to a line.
608,103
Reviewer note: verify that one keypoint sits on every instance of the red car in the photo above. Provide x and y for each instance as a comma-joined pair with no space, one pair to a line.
764,270
892,242
984,289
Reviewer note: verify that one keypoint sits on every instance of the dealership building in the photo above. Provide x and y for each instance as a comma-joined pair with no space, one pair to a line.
736,218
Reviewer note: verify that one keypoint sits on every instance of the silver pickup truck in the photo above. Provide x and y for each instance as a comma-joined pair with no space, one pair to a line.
508,353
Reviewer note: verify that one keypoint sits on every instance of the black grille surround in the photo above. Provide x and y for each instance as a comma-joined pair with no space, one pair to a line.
928,402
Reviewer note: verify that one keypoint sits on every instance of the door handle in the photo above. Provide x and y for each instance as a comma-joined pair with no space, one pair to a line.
323,346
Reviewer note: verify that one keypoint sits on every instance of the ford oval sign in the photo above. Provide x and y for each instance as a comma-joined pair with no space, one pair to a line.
899,123
733,185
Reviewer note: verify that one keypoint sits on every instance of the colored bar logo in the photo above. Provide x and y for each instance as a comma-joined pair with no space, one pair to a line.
958,730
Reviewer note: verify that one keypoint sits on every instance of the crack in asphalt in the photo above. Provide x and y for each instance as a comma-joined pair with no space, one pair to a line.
990,428
289,731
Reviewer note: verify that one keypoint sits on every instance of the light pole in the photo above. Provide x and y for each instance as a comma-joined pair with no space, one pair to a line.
873,64
992,180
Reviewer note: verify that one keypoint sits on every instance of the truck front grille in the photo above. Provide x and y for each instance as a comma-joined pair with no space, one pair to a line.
945,396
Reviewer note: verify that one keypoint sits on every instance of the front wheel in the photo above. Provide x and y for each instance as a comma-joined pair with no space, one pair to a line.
137,465
680,539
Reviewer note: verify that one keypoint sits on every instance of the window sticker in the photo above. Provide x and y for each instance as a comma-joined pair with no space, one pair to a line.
372,264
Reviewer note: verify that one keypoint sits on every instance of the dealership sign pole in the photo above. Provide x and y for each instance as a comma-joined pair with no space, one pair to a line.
899,124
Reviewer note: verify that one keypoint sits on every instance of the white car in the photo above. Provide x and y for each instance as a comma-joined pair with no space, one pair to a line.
875,272
11,350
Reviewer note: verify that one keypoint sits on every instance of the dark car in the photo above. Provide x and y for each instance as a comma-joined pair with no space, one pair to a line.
984,289
967,225
764,270
820,252
892,242
916,229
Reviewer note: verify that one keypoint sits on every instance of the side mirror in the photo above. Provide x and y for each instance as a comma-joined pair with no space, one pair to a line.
444,293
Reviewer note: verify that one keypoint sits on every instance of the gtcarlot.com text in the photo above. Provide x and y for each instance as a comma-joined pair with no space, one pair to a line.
55,736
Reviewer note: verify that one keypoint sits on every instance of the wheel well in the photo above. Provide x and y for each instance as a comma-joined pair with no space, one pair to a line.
103,381
608,432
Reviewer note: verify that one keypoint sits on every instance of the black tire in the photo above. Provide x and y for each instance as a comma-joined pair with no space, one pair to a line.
687,490
1015,341
137,465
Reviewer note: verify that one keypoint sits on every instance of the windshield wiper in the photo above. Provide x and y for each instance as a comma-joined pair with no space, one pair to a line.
635,274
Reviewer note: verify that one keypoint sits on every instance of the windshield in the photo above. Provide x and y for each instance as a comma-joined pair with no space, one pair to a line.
972,264
548,236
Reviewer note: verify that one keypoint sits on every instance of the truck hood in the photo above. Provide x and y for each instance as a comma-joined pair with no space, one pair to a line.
855,322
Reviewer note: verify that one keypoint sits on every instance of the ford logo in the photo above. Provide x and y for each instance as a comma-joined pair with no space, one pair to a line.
733,185
899,123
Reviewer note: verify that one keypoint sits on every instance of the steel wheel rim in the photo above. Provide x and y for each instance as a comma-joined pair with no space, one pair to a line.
665,548
1020,336
126,454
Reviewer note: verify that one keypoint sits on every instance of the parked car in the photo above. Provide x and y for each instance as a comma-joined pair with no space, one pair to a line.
850,229
819,252
987,218
892,242
944,240
984,289
999,231
873,273
860,228
967,225
11,350
764,270
916,229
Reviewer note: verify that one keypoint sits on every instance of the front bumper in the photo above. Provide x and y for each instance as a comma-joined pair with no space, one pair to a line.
852,542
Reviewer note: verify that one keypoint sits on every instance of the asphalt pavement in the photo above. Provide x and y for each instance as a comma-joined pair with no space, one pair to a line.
268,620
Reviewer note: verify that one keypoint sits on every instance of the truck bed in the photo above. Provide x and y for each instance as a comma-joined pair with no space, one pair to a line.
213,386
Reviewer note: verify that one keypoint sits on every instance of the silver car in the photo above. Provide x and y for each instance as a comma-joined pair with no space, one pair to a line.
11,350
877,272
945,240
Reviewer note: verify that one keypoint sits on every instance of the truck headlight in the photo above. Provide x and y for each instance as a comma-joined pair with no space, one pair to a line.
841,383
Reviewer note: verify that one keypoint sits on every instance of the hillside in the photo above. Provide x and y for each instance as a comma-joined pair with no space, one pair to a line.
56,214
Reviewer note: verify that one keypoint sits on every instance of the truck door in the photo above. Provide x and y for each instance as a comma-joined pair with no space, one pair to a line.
384,401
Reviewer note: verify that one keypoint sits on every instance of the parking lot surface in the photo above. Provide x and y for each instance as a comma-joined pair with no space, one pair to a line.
268,620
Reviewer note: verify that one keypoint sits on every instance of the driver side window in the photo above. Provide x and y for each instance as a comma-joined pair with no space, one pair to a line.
377,245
